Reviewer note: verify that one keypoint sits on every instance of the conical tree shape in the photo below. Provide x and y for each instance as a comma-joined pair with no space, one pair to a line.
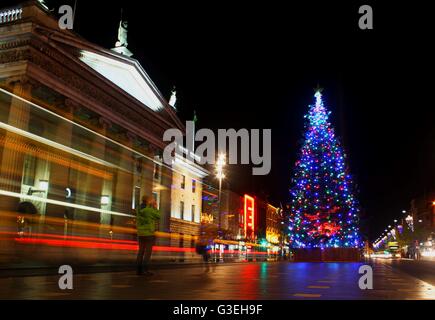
324,210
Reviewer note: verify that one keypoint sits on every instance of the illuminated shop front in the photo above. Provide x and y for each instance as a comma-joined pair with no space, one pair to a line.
249,217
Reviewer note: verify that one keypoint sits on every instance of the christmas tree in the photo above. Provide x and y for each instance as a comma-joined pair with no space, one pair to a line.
324,210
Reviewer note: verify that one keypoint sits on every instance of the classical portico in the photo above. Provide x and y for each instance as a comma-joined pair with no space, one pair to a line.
96,109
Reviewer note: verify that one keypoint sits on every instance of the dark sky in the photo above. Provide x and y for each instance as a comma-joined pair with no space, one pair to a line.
254,65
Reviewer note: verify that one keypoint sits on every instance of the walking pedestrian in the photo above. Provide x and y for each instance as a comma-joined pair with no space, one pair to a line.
147,215
205,240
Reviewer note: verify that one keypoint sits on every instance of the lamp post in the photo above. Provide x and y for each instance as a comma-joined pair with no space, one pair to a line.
410,221
220,175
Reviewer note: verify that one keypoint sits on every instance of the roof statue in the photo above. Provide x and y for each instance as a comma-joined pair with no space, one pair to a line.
122,34
173,99
121,44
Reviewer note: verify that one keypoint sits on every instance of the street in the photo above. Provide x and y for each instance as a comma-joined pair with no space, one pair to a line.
264,280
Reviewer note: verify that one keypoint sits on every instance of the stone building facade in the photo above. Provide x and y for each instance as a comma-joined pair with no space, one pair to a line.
81,128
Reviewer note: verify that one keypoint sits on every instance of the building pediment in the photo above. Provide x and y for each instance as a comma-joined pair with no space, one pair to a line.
127,75
121,75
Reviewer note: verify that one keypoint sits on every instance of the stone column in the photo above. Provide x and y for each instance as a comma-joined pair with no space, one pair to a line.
147,175
60,173
12,160
89,185
165,199
123,189
107,187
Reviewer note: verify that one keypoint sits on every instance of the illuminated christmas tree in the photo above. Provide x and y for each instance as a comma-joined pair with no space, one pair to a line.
324,210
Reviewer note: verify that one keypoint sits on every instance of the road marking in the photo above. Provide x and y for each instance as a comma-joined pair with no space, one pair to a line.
318,287
307,295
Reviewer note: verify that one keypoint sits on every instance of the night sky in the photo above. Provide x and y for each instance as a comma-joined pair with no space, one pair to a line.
255,66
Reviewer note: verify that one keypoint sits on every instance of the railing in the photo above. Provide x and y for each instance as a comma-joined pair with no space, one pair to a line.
10,15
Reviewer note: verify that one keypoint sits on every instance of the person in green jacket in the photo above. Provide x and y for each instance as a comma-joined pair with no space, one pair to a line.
147,215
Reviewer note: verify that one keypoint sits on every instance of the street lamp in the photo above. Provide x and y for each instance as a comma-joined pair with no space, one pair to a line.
410,221
220,163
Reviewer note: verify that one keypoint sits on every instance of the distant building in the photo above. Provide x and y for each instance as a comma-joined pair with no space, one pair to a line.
186,196
269,222
273,224
210,202
423,211
232,215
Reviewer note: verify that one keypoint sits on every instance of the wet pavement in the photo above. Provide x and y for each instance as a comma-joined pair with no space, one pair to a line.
267,280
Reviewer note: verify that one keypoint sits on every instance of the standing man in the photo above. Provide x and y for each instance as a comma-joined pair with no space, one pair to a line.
146,218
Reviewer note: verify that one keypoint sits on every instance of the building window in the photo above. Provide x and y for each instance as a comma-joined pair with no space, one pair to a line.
29,171
136,198
183,181
182,210
156,197
156,171
193,185
193,213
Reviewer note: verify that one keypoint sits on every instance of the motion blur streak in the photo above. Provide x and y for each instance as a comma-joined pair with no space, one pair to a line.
107,245
96,245
69,194
34,242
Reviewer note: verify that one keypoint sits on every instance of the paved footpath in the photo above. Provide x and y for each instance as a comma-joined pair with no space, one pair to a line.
273,280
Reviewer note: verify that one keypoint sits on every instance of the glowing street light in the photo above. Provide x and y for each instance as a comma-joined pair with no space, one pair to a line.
410,221
220,163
